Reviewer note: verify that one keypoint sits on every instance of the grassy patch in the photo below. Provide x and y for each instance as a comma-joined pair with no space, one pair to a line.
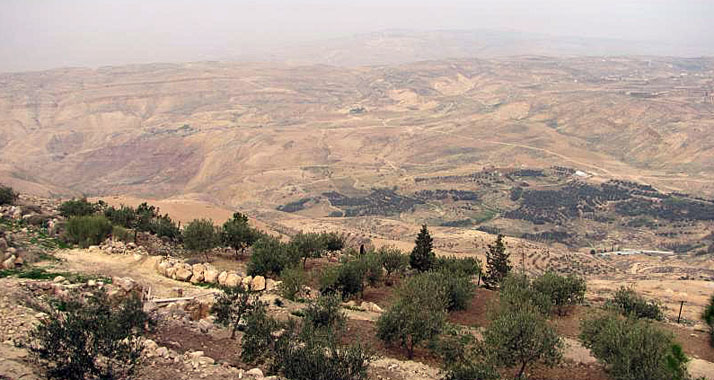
35,273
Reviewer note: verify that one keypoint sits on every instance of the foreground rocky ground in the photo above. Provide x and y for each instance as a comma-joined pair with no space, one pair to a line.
186,344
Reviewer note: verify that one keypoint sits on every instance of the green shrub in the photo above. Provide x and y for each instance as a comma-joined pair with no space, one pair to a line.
463,267
200,236
325,313
563,291
258,342
393,260
293,280
459,289
7,195
708,317
90,340
629,303
77,207
232,304
270,256
517,291
302,355
298,352
477,370
87,230
417,315
163,226
373,271
520,337
122,234
124,216
334,241
351,277
328,280
634,349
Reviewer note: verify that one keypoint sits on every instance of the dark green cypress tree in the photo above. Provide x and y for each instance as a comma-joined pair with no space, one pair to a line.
497,264
422,257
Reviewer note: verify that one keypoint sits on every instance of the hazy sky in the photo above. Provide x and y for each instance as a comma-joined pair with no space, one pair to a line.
39,34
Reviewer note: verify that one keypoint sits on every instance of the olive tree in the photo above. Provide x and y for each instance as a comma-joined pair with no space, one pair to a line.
519,337
200,236
418,314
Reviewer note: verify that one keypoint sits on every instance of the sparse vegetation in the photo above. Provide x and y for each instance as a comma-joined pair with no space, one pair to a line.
627,302
232,305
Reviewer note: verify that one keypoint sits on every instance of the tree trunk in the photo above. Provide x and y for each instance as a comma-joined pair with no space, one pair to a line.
523,369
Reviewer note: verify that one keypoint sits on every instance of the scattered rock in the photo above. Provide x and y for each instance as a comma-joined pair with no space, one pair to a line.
183,273
9,263
255,373
58,279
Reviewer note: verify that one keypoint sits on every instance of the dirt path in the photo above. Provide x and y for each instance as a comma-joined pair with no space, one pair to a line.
138,267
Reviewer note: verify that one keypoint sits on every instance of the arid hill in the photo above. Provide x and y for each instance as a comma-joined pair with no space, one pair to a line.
382,141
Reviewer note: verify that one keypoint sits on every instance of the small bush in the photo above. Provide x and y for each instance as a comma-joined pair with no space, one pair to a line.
270,256
629,303
124,216
325,313
517,292
563,291
293,280
90,338
87,230
463,267
634,349
459,290
163,226
351,278
122,234
373,271
77,207
258,342
328,280
7,195
708,317
302,355
334,241
232,304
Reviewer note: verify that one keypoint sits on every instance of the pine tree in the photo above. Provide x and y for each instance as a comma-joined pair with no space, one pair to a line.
422,257
497,265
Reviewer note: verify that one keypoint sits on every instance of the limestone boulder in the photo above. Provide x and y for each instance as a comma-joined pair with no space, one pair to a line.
222,278
233,280
210,276
198,270
258,283
184,273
